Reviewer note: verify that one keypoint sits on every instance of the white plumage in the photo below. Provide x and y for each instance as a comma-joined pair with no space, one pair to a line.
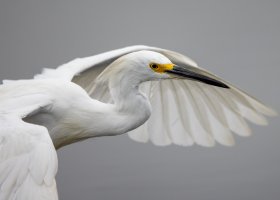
113,93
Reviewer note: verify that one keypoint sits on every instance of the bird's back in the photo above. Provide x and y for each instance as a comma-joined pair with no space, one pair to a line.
50,99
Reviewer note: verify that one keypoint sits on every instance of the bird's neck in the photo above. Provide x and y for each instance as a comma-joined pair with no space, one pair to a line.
125,93
130,109
130,105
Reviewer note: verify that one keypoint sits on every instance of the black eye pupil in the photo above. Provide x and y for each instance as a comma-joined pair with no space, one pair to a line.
154,66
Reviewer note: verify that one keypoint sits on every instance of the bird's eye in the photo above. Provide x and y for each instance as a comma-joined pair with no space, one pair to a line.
154,66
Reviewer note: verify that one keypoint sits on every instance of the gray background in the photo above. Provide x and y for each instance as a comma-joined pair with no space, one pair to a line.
238,40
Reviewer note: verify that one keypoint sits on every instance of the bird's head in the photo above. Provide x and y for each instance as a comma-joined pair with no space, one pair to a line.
150,65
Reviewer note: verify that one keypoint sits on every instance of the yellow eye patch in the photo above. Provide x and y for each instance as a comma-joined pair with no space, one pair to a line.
161,68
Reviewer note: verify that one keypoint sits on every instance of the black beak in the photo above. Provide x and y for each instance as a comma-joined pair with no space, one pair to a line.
196,74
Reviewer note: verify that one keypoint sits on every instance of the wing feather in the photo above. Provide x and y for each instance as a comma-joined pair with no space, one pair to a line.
198,132
215,109
244,108
181,124
159,135
197,103
218,127
234,120
28,160
173,124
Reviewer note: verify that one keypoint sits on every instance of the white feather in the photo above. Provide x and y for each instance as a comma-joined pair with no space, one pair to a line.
25,161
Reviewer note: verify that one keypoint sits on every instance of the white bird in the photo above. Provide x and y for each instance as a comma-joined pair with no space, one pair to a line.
153,94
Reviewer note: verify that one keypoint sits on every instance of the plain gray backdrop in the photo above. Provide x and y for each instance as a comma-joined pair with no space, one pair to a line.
238,40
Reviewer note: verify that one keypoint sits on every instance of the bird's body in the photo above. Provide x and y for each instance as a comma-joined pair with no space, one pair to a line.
134,89
73,115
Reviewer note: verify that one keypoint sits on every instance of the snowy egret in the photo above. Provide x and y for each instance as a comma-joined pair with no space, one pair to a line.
150,93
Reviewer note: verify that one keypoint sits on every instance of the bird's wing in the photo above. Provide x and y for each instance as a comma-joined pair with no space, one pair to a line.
84,71
187,112
28,160
88,67
184,111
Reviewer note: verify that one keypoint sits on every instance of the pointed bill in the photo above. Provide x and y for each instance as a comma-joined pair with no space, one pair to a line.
196,74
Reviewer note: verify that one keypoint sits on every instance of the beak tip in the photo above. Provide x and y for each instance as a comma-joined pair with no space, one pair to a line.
222,85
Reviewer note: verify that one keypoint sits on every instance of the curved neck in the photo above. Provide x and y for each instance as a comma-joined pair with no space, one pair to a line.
125,92
92,118
130,110
131,106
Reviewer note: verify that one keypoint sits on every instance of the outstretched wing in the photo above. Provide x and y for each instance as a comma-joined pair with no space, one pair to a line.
28,160
187,112
184,112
